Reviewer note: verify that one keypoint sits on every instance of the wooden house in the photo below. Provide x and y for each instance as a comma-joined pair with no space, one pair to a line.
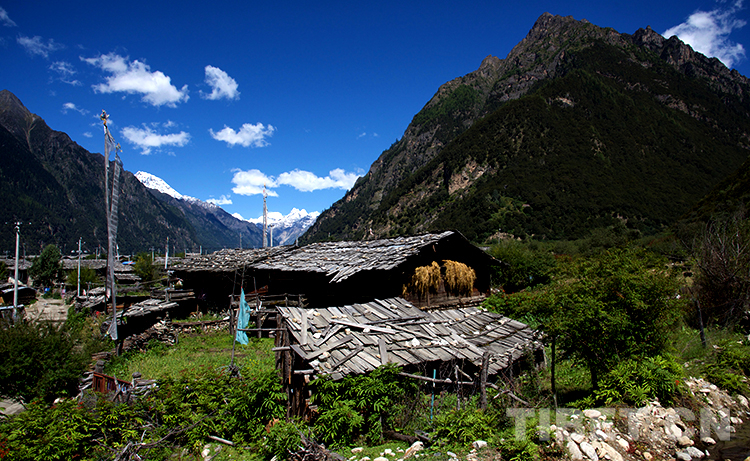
338,273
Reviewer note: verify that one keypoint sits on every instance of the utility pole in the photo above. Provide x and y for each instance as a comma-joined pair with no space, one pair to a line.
78,292
265,216
15,277
166,258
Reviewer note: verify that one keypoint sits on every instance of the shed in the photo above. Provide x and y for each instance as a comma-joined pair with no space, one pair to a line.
357,338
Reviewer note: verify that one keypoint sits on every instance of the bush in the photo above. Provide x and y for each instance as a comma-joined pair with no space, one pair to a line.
525,267
639,379
47,267
40,361
463,426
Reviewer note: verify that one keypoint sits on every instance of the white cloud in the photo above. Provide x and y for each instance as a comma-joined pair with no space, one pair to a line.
248,135
66,72
251,182
708,31
36,45
223,200
222,85
147,139
306,181
136,77
238,216
88,134
5,19
70,106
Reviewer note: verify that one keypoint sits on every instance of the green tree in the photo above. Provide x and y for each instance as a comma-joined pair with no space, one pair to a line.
523,266
47,267
611,307
144,267
88,277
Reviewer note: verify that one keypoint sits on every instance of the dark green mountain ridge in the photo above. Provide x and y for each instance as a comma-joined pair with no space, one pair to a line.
56,188
579,127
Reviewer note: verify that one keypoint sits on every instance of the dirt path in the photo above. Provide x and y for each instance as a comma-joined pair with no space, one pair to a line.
47,309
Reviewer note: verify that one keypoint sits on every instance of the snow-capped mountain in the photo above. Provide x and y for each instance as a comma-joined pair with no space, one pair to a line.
156,183
285,228
204,216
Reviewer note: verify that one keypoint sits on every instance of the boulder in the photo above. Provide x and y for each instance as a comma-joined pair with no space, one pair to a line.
589,451
575,452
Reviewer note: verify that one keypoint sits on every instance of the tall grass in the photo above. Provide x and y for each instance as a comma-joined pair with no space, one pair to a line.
193,355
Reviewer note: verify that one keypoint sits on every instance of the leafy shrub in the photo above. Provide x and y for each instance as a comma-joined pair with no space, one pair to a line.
525,267
730,366
638,379
283,437
360,404
40,361
463,426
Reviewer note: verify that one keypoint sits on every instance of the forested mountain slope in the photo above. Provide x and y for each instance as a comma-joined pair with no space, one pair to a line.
579,127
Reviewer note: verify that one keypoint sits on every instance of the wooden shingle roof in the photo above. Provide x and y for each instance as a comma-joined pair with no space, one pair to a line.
358,338
338,260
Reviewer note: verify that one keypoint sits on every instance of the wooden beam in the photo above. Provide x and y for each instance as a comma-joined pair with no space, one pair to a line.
365,326
383,348
339,343
348,356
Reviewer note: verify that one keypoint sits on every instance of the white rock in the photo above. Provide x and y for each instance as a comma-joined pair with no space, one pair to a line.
451,454
743,401
357,450
695,453
647,456
380,458
593,414
610,452
623,444
206,452
388,452
478,444
674,430
575,452
708,441
683,456
589,451
577,438
685,442
413,449
601,434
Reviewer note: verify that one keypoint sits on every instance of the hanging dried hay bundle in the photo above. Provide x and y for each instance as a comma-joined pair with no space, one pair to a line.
459,278
424,280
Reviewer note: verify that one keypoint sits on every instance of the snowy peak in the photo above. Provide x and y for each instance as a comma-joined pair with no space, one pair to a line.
158,184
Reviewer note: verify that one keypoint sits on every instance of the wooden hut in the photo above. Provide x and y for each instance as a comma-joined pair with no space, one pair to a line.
357,338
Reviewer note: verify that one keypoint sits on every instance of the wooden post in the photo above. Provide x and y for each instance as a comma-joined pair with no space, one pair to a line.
483,379
553,385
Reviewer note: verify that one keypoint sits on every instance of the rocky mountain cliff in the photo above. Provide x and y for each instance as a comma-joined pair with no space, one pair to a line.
578,127
56,188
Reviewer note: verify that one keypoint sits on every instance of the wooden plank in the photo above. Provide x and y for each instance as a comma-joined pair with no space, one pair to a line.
364,326
339,343
299,351
304,328
383,348
347,357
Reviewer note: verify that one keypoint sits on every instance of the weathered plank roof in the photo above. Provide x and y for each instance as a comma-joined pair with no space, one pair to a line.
228,260
360,337
339,260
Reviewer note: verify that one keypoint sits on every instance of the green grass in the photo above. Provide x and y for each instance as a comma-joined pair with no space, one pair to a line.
193,354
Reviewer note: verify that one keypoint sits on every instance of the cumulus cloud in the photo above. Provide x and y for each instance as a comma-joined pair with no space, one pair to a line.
136,77
70,106
251,182
306,181
248,135
223,200
88,134
222,85
5,19
36,45
708,32
147,139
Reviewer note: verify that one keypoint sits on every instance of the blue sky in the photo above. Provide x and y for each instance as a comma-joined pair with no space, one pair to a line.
218,98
